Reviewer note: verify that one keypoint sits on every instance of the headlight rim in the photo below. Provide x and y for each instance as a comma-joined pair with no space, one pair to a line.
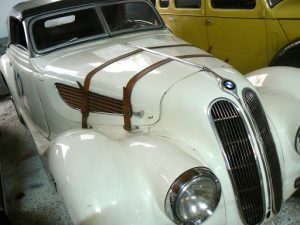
180,183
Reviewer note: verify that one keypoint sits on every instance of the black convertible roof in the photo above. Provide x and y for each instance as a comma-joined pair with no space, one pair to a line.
27,9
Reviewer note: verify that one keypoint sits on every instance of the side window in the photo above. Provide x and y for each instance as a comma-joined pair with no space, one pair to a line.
191,4
17,33
164,3
233,4
153,2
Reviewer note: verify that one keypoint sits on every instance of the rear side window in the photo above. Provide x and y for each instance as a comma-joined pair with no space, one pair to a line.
272,3
233,4
64,29
164,3
17,33
191,4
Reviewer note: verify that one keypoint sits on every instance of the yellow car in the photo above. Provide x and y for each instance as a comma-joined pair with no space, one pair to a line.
249,34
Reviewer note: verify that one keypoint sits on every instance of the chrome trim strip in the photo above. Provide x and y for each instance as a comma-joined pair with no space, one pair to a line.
262,152
180,184
218,78
255,151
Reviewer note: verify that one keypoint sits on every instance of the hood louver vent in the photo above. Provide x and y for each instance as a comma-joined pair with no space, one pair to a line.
97,103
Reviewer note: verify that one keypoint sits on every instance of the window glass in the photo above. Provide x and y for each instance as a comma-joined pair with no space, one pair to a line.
188,4
153,2
64,29
164,3
130,16
274,2
17,33
233,4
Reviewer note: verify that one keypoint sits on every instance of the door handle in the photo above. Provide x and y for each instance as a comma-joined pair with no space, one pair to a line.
172,18
209,21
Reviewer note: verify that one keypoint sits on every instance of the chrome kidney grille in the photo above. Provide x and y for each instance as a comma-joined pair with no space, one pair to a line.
256,110
241,161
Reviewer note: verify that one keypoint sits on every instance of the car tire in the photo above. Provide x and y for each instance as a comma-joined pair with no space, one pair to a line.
18,114
3,87
4,219
288,56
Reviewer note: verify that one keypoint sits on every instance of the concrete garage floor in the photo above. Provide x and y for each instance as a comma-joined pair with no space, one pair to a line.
31,195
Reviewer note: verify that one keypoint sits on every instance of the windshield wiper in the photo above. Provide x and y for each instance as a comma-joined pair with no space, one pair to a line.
69,41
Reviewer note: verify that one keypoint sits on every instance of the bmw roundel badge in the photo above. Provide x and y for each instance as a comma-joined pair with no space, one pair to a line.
228,84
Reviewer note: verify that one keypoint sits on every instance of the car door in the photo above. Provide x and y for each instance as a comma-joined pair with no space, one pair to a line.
186,19
237,33
24,77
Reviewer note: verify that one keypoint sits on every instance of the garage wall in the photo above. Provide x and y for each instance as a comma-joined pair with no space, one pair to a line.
5,7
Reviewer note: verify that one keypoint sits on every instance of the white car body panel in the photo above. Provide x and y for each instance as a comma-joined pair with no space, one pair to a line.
279,91
107,175
135,158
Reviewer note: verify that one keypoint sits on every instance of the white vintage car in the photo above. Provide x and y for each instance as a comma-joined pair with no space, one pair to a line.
142,128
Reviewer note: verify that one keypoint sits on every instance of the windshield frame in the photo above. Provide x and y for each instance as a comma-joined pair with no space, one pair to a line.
107,32
272,4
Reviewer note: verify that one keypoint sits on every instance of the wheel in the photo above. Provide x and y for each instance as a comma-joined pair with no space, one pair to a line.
18,114
4,219
288,56
3,87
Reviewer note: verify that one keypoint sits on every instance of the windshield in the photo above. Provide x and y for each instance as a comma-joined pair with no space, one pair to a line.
57,30
63,29
130,16
272,3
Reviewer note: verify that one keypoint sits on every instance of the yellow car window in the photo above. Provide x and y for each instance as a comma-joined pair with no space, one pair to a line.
191,4
233,4
164,3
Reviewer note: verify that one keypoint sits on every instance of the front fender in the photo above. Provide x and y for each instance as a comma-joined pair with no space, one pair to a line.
108,181
283,80
4,67
280,95
8,75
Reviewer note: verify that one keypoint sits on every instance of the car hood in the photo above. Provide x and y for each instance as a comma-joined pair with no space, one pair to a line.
72,65
287,9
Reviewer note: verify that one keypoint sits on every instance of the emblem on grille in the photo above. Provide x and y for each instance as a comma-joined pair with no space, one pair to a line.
228,84
297,141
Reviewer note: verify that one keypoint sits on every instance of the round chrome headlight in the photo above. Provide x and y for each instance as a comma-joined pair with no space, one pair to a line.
297,141
193,196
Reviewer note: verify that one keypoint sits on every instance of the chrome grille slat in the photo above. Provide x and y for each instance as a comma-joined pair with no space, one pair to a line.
254,105
242,165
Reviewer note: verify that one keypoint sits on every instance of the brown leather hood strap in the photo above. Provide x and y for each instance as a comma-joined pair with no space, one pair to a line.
85,88
127,91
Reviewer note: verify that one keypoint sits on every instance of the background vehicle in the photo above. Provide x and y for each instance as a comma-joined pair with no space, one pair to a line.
137,123
249,34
